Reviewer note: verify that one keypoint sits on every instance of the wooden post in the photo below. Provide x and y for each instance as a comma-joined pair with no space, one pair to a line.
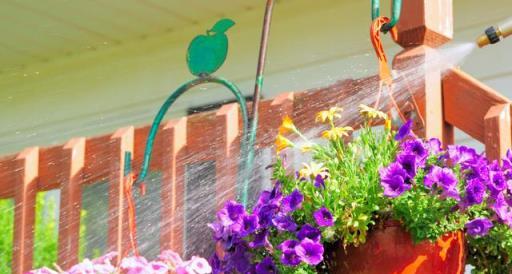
174,138
497,131
72,162
227,153
423,25
26,168
118,233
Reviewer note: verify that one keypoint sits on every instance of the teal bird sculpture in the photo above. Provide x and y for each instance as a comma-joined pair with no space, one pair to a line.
207,53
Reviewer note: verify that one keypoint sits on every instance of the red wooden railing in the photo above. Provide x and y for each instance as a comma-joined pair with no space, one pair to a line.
456,100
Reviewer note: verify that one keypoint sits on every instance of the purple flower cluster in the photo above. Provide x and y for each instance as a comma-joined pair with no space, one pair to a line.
458,173
241,235
167,262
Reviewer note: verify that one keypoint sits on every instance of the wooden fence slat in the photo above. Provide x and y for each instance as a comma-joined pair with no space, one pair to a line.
118,233
26,170
7,184
174,137
497,131
227,153
72,164
466,101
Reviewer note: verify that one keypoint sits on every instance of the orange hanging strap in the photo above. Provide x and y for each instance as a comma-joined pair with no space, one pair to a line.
384,71
132,222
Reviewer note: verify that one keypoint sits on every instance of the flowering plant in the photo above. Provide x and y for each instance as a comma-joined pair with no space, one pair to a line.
435,191
167,262
332,198
351,187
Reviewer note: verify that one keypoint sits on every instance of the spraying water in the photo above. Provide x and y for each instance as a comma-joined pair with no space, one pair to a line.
199,204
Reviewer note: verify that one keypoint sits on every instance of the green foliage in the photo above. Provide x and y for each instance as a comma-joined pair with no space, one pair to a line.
426,216
352,190
6,234
491,254
45,233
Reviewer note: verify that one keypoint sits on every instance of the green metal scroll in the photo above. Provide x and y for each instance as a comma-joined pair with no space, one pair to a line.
395,13
206,54
170,101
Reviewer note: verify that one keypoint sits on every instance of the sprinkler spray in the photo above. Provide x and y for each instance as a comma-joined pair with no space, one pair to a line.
495,34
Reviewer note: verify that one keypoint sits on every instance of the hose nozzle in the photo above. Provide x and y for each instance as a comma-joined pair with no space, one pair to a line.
495,34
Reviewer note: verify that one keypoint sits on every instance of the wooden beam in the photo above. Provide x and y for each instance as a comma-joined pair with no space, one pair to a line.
26,170
174,137
467,101
118,233
72,158
227,153
497,131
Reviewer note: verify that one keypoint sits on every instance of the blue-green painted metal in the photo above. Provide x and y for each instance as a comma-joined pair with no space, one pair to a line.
207,53
170,101
395,13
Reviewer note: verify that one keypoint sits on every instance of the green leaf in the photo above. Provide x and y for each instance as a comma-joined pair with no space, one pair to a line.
222,25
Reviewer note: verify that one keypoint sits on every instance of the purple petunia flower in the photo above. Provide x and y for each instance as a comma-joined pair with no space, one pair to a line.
434,146
502,210
288,244
309,232
507,165
266,213
475,191
394,180
404,131
417,148
260,240
319,181
266,266
249,225
310,252
273,196
232,213
216,264
444,178
479,227
497,183
284,223
323,217
461,154
239,259
290,258
292,202
408,163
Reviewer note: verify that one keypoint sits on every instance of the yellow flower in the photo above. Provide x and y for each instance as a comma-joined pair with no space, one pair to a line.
282,143
306,147
336,133
312,170
387,124
372,113
287,125
328,115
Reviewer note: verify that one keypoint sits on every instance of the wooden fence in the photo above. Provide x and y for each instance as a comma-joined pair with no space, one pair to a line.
455,100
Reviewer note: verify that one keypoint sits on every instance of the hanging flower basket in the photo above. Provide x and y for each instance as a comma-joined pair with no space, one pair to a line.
390,249
336,214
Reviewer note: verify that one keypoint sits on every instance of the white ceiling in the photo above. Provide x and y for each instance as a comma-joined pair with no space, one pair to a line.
42,30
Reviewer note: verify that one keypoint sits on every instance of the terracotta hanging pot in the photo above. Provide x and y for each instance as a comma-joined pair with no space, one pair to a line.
390,250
